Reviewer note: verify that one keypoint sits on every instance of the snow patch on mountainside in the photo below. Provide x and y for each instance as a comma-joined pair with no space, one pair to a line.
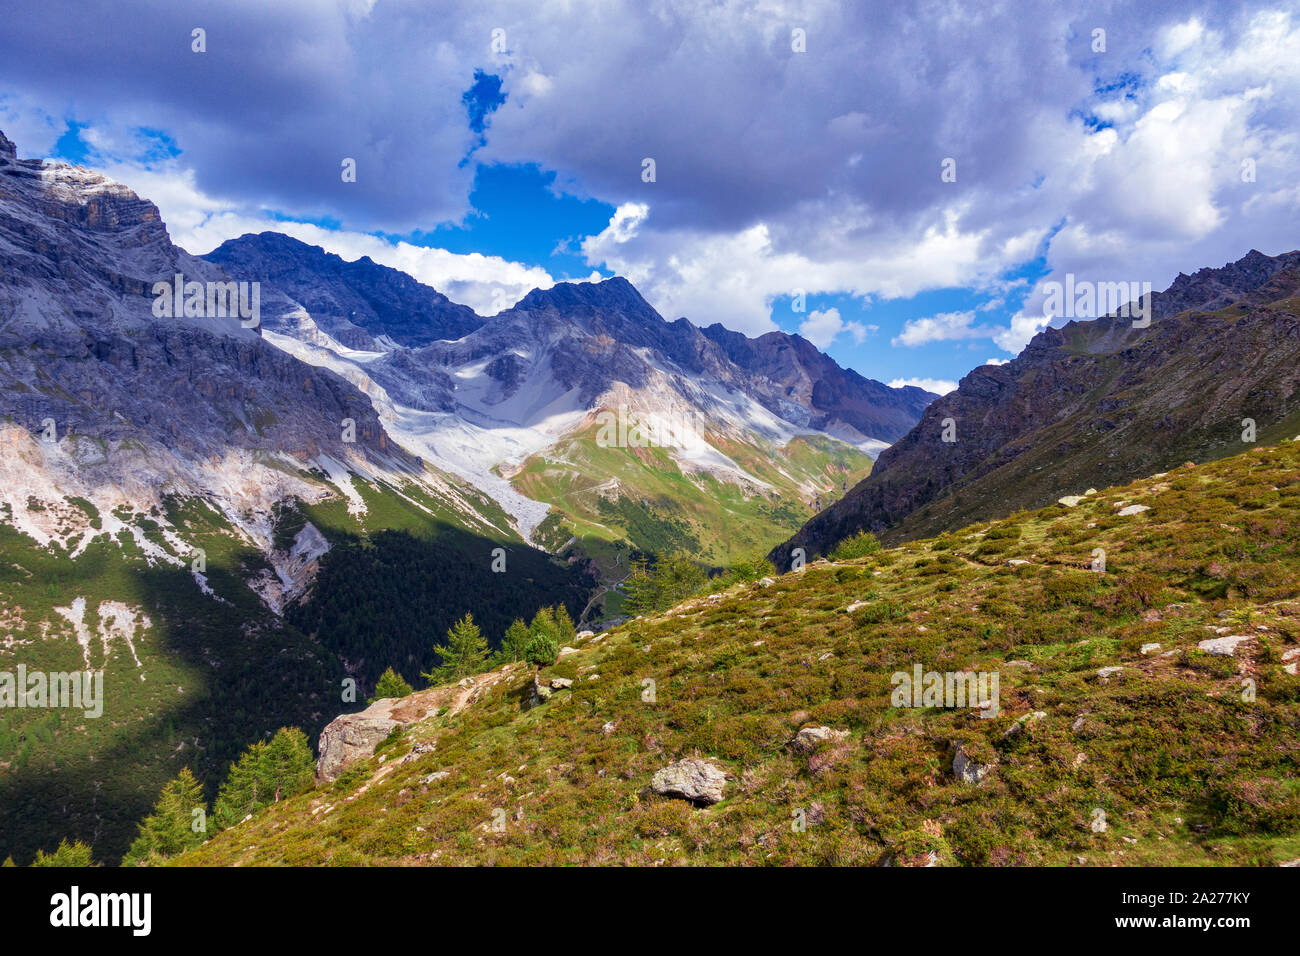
468,446
117,620
469,451
847,433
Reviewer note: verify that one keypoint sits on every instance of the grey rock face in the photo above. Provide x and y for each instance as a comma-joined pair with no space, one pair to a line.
357,303
698,781
782,369
81,255
352,737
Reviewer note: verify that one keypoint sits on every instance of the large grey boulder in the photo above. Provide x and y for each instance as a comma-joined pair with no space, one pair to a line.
352,737
695,780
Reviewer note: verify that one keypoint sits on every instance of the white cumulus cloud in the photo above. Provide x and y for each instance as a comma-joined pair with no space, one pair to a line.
943,327
821,328
940,386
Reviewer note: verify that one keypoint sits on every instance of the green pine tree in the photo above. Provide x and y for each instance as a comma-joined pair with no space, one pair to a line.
640,588
243,790
543,645
543,624
515,641
289,766
174,826
266,772
671,580
565,632
390,684
68,854
464,653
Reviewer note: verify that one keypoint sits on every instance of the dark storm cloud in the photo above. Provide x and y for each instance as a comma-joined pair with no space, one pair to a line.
832,153
741,126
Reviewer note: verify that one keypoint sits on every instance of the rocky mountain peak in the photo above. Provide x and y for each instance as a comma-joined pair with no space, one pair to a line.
358,303
1210,289
176,397
81,197
584,299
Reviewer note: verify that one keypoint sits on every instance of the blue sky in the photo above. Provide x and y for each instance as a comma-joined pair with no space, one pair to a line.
517,213
502,146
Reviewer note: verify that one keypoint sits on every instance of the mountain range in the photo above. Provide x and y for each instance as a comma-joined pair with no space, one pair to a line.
509,403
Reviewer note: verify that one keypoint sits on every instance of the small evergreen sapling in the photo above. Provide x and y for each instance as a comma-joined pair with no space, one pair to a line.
68,854
173,826
515,642
464,653
390,684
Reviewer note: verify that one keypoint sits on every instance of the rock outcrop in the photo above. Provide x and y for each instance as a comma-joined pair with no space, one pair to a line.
698,781
966,769
352,737
809,739
349,738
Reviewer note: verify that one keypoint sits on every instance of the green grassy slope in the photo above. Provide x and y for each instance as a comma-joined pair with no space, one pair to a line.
1189,758
642,496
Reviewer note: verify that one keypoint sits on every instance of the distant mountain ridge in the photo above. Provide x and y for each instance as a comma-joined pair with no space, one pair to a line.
801,379
1092,403
489,402
814,380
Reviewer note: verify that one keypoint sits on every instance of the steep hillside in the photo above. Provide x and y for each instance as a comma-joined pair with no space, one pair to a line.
1147,710
646,498
1090,404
